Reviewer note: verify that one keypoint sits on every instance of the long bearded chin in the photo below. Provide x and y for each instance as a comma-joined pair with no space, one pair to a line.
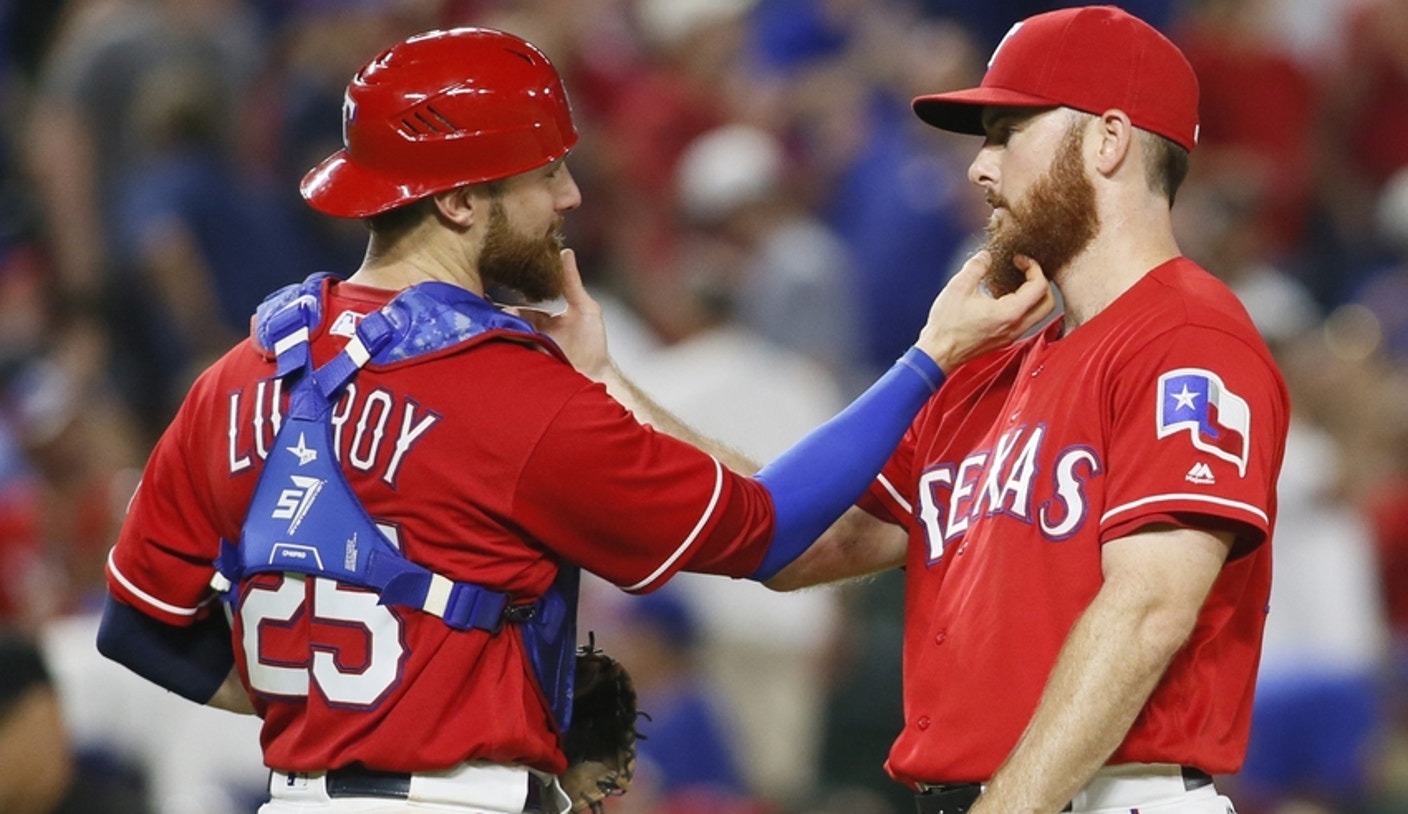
1051,225
529,266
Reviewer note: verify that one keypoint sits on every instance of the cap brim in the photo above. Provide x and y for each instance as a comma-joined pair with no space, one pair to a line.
962,110
343,189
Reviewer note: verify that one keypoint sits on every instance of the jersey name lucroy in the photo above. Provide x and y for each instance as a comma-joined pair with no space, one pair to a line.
373,428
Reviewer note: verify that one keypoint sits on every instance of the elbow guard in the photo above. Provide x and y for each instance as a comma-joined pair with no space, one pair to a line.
189,661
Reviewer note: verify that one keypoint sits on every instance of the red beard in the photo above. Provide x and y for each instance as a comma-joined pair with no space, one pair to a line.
530,267
1052,224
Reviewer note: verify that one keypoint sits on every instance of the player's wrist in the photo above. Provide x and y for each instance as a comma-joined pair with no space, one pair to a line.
925,365
938,349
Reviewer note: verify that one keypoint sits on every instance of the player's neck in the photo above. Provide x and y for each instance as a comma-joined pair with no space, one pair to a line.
1110,266
396,270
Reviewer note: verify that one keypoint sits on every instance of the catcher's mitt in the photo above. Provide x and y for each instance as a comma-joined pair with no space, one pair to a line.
601,742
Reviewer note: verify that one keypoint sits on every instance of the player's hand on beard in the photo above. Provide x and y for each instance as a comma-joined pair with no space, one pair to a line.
579,329
967,320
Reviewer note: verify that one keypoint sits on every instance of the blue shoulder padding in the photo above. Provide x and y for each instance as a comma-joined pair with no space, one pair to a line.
434,316
284,316
426,318
813,483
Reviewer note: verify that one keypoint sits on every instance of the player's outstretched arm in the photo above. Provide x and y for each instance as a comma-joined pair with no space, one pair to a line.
814,482
856,545
817,540
964,322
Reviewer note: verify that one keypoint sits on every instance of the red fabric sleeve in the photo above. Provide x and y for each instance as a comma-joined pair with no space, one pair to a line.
1193,421
162,562
634,505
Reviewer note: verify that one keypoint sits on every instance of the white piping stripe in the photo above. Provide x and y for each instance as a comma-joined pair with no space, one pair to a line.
1217,501
894,493
148,598
300,335
698,527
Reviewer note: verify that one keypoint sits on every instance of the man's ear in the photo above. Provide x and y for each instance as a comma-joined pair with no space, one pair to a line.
1116,140
458,206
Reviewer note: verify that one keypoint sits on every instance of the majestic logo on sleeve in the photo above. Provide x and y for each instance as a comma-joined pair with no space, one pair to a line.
1218,420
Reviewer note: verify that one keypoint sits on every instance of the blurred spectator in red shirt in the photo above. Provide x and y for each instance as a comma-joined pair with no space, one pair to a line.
1257,106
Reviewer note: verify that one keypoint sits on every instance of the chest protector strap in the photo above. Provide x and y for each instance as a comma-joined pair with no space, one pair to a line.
304,516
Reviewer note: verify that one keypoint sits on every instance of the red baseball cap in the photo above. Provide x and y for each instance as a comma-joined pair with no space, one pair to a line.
1091,58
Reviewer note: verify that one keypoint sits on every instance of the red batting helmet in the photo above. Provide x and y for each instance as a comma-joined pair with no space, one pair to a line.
440,110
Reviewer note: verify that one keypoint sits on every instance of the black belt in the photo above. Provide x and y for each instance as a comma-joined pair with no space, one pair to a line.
957,798
948,798
1195,778
355,781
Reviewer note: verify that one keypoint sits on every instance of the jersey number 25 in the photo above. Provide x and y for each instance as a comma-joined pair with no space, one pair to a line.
342,625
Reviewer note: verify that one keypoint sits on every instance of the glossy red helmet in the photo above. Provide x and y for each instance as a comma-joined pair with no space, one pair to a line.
440,110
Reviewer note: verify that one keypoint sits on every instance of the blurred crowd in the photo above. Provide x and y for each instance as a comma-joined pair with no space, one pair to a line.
765,222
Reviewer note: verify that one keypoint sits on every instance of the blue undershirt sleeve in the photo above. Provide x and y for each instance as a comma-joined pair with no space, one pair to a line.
813,483
190,661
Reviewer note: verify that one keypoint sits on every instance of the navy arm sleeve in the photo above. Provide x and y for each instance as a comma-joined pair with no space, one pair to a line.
814,482
190,661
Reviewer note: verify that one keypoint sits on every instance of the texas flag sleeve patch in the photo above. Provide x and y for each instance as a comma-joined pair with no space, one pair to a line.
1218,420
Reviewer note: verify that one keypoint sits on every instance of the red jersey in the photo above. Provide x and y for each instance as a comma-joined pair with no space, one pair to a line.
1165,407
489,463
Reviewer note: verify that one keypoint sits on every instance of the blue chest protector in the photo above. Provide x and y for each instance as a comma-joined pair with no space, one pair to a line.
304,516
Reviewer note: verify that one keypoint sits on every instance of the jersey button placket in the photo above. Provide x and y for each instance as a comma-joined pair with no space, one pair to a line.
940,637
923,722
